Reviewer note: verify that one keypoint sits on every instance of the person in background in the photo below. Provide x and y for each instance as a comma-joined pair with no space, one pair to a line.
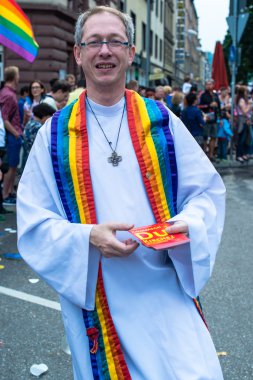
209,103
160,94
59,93
168,95
243,110
51,83
250,155
24,92
133,85
129,312
62,103
3,166
225,102
194,89
77,92
41,113
71,79
142,91
12,123
193,119
224,135
36,95
176,103
150,93
186,86
224,132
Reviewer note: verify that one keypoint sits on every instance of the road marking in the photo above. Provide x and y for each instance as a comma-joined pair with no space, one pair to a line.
30,298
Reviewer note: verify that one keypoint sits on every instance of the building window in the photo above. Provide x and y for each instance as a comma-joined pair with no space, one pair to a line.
143,36
156,7
122,6
161,11
151,42
156,46
133,16
161,50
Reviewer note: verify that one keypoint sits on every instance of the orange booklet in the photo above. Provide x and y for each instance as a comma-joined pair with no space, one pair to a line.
155,236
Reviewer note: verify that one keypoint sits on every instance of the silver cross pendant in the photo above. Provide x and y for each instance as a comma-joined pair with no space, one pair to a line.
114,159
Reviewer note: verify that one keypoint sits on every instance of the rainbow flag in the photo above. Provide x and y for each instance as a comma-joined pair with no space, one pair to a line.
16,31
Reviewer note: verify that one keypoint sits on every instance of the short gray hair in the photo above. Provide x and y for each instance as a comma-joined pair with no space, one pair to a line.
125,18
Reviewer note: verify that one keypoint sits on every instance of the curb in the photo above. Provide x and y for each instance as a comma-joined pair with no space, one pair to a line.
232,164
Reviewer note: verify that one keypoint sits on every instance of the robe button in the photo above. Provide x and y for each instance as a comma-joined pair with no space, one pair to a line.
148,175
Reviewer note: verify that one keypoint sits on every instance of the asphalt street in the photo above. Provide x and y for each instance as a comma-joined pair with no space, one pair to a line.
31,329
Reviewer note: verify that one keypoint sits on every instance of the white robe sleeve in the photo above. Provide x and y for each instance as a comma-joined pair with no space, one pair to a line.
59,251
201,204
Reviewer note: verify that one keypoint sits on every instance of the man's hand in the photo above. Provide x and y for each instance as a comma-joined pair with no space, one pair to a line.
178,227
102,236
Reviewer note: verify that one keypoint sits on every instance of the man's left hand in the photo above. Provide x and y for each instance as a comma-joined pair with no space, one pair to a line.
178,227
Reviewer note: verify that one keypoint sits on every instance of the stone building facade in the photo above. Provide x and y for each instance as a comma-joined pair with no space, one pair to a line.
173,39
53,23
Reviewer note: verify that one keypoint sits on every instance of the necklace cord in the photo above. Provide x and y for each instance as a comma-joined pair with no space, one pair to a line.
109,143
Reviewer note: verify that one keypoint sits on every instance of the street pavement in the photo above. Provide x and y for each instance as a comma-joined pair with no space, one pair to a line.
33,333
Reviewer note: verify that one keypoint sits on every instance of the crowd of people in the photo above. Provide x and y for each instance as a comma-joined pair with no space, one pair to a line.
207,115
21,118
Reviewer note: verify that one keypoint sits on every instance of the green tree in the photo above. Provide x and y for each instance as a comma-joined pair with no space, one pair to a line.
245,68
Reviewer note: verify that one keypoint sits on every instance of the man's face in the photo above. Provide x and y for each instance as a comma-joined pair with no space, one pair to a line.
160,93
71,81
104,66
60,96
209,86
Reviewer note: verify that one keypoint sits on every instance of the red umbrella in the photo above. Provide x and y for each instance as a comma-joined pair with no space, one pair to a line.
219,73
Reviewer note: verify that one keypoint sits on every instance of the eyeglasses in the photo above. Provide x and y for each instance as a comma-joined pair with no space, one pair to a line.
113,44
35,87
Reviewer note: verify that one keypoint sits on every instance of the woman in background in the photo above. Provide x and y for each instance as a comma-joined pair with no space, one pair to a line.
36,94
243,110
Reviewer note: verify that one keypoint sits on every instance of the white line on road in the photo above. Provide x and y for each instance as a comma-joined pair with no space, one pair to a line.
30,298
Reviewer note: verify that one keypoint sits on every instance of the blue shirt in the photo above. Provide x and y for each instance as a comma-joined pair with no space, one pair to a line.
193,120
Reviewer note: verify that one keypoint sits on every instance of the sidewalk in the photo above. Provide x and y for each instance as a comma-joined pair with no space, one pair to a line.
232,164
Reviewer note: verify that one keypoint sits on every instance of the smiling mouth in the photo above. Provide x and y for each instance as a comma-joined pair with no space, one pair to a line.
105,66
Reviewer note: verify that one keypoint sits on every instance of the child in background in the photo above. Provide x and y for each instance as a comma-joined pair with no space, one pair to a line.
224,135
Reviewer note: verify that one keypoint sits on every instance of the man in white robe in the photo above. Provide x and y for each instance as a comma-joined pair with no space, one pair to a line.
149,293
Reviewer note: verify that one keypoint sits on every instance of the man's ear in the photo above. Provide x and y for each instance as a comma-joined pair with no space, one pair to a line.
77,54
131,55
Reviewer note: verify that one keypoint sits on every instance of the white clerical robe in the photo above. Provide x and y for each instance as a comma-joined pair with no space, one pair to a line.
150,292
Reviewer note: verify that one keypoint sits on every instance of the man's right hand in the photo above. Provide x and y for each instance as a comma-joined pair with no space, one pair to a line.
103,237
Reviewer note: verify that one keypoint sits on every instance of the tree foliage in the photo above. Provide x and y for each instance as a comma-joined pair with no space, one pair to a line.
245,67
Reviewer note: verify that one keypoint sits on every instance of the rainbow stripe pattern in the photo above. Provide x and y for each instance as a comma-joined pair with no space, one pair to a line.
148,122
199,308
153,143
16,31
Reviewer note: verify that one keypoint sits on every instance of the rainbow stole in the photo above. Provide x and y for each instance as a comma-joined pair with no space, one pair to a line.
148,122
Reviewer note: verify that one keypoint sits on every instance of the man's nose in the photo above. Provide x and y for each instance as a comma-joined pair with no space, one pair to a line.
104,49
